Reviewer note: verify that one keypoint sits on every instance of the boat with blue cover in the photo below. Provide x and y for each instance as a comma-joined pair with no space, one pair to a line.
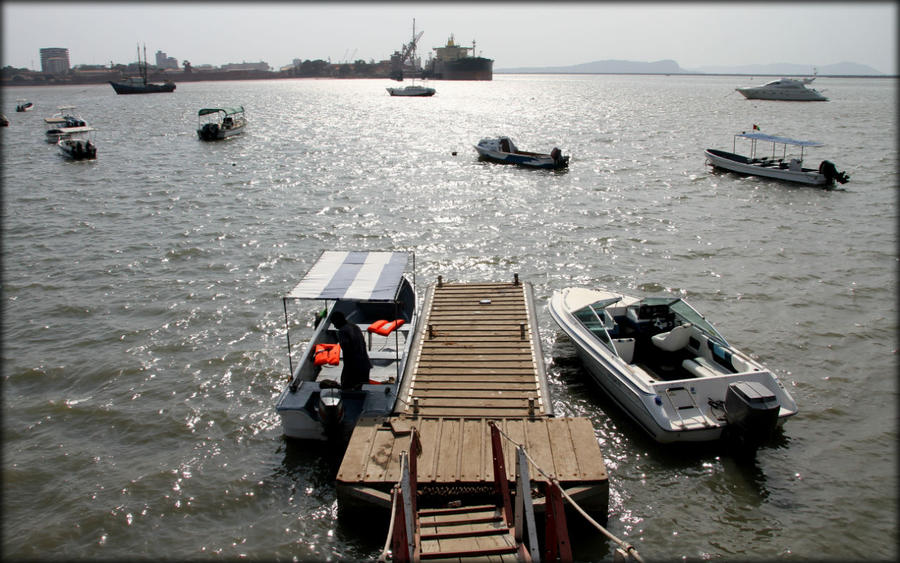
372,290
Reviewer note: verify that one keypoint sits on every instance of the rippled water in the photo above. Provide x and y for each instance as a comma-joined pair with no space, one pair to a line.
143,341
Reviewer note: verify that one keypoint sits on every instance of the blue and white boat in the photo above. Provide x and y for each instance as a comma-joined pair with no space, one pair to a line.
669,369
372,290
504,151
780,167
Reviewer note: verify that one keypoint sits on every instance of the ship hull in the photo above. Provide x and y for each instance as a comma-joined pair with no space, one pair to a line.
469,68
122,88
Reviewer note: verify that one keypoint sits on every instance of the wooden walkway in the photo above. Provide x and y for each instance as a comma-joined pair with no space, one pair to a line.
475,358
476,354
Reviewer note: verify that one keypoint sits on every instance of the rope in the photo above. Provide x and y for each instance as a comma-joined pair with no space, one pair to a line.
629,548
385,553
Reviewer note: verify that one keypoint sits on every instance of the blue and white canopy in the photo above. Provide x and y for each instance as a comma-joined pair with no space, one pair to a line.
359,276
782,140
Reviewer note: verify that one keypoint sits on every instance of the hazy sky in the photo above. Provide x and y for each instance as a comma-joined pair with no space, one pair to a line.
513,34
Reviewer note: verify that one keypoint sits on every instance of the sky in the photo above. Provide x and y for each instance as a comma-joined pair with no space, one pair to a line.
514,34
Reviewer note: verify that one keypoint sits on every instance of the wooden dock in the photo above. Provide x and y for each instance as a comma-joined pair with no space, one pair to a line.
475,358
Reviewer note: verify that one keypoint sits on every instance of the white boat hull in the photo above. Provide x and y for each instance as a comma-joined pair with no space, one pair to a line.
414,91
767,169
678,408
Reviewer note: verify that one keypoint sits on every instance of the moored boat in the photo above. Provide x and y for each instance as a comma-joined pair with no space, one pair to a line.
504,151
62,124
453,62
219,123
784,89
669,369
78,144
780,168
413,90
371,290
140,84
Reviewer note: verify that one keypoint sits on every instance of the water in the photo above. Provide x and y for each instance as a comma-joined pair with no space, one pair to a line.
143,332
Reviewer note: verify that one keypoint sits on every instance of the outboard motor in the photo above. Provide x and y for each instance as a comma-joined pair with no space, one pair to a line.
830,171
331,410
751,409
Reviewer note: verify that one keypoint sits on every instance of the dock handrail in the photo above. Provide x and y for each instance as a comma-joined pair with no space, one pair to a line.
626,550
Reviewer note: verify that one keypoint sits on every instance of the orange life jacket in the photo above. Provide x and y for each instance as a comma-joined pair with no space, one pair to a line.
384,328
328,354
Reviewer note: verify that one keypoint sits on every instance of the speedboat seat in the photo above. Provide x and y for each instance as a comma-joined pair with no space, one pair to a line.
675,339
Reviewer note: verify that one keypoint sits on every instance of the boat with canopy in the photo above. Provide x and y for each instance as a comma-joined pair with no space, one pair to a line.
780,167
373,291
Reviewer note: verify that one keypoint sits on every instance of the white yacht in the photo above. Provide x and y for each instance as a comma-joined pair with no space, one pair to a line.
785,89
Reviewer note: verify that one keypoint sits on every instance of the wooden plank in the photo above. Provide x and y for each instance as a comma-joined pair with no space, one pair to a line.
563,450
447,466
471,462
590,460
430,433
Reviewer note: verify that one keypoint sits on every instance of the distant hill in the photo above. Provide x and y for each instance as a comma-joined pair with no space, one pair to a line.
669,66
844,68
602,67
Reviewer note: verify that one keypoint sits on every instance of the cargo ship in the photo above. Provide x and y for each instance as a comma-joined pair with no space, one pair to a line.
453,62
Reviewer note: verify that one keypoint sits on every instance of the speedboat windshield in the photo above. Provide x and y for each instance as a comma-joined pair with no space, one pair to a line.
689,315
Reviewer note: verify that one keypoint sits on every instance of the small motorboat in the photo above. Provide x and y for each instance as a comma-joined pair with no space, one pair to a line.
669,369
779,168
24,105
413,90
78,144
371,290
61,124
504,151
784,89
220,123
4,121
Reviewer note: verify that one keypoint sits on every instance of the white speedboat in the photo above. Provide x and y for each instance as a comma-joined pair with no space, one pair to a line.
779,167
669,369
219,123
784,89
504,151
414,90
372,290
78,144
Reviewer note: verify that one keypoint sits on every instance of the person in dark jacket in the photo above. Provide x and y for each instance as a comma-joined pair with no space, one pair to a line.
353,346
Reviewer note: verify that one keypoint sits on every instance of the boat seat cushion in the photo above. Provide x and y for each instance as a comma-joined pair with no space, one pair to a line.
675,339
701,367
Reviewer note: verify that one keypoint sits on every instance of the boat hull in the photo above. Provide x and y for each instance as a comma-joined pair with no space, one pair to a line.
758,93
123,88
533,160
77,149
767,169
218,133
466,68
412,92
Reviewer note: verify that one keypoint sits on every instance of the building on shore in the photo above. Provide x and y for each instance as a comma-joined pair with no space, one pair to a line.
54,60
164,61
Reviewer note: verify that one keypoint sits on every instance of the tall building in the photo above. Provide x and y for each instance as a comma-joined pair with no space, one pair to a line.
165,61
54,60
